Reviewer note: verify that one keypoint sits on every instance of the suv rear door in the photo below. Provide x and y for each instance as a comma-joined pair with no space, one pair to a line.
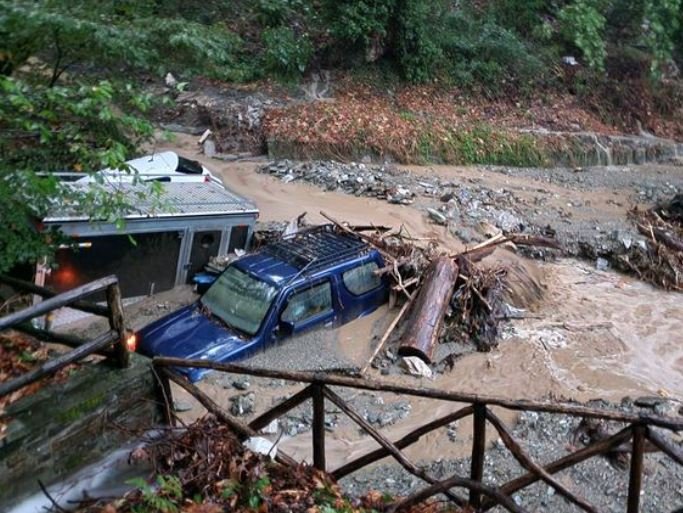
362,290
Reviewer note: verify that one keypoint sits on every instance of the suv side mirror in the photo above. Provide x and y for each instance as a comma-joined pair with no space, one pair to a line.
285,328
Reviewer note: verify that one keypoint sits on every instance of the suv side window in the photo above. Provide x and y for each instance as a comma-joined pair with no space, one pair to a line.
307,303
362,279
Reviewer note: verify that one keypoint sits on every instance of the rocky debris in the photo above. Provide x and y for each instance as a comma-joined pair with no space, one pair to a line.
241,383
470,208
242,404
235,116
462,205
181,406
387,413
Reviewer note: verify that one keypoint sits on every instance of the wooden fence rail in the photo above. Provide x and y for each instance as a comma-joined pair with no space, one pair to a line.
111,344
482,496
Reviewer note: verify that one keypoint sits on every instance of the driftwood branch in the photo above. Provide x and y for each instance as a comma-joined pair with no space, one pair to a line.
387,334
521,240
366,238
661,236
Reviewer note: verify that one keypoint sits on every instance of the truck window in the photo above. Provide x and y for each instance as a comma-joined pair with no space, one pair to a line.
307,303
362,279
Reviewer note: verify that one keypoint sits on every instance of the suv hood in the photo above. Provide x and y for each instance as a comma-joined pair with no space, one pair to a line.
188,333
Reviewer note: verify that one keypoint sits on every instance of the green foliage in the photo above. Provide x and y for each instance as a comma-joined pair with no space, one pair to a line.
43,130
662,22
286,54
584,25
165,498
481,145
64,34
484,54
273,13
415,46
523,16
355,22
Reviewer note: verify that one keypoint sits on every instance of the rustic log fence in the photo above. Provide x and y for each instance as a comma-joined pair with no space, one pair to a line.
639,431
111,344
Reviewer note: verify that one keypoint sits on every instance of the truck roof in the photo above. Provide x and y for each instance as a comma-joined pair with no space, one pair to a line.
178,199
305,253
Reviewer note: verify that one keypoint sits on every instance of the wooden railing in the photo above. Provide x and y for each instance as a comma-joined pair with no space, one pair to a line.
111,344
481,496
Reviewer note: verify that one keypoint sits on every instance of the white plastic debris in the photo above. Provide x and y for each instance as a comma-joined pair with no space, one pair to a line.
261,445
272,428
170,80
416,367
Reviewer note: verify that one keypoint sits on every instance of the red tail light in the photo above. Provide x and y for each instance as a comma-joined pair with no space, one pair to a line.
132,341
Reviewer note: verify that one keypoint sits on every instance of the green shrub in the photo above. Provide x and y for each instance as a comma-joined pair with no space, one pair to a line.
358,22
415,47
584,25
484,54
286,53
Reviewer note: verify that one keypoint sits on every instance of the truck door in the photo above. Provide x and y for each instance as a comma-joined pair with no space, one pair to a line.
363,290
308,307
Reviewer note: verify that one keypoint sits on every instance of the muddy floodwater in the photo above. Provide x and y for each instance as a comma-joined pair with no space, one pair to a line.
595,334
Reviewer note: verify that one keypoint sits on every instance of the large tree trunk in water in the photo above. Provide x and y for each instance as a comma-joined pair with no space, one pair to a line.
427,314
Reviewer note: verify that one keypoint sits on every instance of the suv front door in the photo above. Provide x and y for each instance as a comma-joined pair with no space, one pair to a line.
306,307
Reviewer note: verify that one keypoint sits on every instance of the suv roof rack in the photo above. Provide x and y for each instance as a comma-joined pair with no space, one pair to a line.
317,247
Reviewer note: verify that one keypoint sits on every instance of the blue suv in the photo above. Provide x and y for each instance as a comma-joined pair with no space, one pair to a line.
317,277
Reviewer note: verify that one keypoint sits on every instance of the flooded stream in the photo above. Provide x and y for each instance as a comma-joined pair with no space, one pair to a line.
597,334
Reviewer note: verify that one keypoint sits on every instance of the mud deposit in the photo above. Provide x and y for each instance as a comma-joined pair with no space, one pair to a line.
596,334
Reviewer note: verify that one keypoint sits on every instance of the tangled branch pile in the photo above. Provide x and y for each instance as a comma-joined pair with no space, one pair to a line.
206,469
660,260
478,301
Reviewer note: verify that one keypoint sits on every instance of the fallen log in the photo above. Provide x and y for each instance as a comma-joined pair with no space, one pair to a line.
427,314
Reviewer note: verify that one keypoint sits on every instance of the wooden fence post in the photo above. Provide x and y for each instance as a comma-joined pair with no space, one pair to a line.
165,395
116,323
318,426
478,452
636,477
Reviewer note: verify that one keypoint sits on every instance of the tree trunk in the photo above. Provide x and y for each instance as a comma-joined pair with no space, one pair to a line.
427,315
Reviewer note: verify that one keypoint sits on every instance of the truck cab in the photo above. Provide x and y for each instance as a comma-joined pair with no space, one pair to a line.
319,277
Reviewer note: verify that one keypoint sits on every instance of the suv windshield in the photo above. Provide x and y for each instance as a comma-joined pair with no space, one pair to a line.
239,299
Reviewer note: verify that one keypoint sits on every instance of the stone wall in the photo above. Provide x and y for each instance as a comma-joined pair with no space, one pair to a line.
63,427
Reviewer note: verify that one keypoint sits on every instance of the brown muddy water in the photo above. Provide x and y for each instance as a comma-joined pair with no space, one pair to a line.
596,334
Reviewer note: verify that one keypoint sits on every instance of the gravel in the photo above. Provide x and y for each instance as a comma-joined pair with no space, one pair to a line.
466,205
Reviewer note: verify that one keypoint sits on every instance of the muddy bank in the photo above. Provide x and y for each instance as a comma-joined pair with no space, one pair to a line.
246,120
